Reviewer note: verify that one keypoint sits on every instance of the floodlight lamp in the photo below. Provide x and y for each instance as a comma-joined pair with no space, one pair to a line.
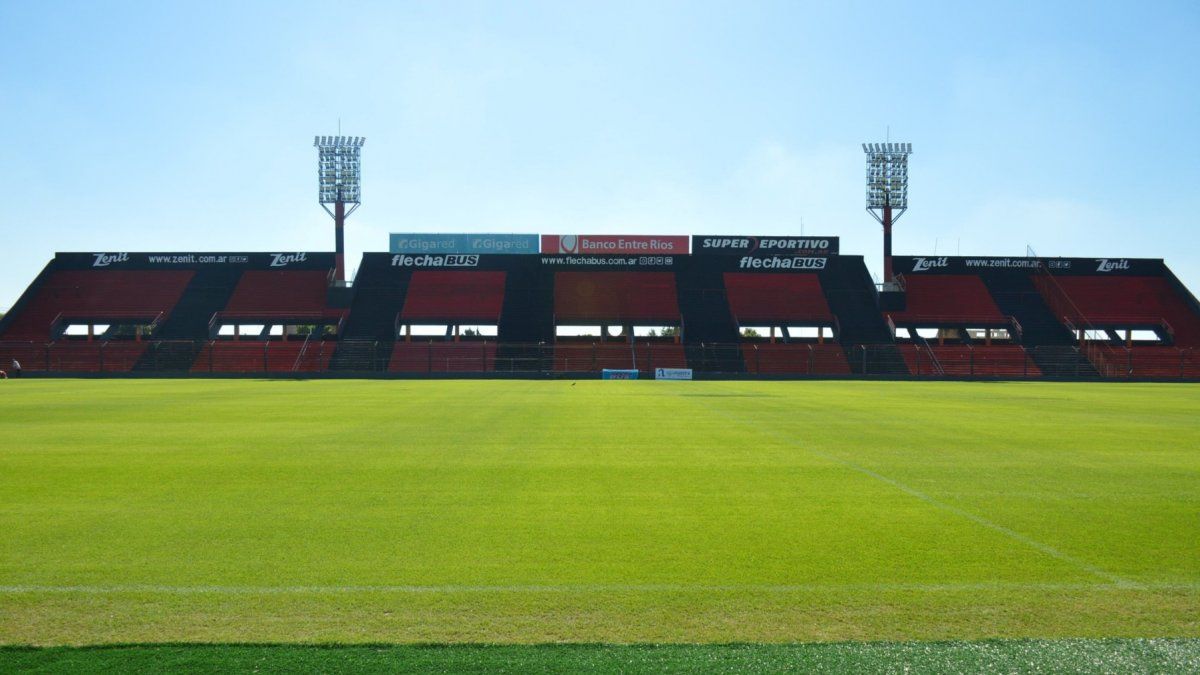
887,175
338,169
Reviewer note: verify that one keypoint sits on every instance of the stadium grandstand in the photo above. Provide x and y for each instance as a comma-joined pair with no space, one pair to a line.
790,309
571,305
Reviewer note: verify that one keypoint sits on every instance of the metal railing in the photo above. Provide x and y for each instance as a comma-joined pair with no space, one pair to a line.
149,320
570,358
1099,353
935,365
303,350
264,319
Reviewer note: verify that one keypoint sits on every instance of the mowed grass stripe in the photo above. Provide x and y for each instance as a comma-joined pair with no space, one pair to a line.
605,511
586,588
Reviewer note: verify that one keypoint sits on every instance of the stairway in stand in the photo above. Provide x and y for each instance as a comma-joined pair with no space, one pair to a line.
863,333
1061,361
187,326
370,331
710,333
526,329
1049,343
174,356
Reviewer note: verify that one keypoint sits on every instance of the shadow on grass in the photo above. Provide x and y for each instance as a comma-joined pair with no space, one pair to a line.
1067,655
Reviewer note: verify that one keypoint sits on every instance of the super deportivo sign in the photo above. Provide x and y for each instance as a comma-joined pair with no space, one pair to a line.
416,242
614,244
747,245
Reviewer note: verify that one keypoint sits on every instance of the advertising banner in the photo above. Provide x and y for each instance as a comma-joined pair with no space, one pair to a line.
428,260
145,261
402,263
424,242
783,264
672,373
610,262
614,244
704,244
1067,266
618,374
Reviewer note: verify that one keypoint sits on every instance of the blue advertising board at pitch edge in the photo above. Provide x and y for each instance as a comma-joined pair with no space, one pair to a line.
672,373
618,374
424,242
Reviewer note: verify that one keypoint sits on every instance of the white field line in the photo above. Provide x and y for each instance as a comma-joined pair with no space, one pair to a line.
87,589
913,492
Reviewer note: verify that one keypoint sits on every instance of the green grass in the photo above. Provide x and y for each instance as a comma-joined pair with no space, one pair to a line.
223,511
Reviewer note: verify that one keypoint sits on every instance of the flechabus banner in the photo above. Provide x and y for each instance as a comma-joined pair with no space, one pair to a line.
423,242
704,244
614,244
402,260
783,263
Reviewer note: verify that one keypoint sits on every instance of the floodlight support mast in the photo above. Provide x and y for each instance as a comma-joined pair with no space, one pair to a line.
339,215
887,191
887,221
339,184
339,239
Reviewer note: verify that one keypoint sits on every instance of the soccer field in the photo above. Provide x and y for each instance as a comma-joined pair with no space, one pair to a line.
149,511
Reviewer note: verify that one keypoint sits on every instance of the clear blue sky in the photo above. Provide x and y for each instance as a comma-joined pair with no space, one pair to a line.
188,126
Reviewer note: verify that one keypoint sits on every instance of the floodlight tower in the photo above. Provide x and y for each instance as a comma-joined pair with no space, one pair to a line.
887,190
338,177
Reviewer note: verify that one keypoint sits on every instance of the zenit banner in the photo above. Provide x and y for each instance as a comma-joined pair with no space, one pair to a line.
704,244
142,261
414,242
614,244
1066,266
